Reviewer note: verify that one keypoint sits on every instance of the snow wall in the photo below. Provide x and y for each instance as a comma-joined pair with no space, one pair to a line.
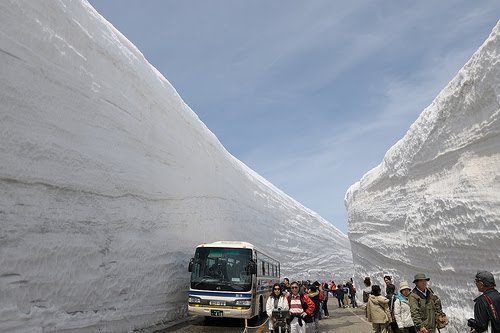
433,204
108,181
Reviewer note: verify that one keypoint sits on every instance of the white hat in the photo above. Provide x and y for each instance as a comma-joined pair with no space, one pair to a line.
404,285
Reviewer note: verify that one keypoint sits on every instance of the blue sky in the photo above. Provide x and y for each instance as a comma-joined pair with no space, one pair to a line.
310,94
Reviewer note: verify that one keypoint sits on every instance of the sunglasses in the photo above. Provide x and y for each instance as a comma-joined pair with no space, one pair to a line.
295,287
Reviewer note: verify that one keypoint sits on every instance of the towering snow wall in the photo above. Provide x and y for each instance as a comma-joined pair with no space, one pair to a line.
108,181
433,205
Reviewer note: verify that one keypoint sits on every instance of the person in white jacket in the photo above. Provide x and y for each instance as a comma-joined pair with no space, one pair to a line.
275,301
402,311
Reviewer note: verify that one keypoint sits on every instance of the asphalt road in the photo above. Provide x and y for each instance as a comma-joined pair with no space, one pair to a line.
341,320
345,320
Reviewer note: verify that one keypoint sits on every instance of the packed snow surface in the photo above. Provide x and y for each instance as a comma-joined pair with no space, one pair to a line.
433,204
108,181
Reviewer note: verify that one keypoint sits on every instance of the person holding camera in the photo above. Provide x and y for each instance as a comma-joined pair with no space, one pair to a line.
276,301
486,306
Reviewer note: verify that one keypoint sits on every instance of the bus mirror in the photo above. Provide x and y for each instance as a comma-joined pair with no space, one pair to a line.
252,267
190,266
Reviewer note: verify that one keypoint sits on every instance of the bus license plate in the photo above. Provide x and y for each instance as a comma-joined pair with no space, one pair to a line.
216,313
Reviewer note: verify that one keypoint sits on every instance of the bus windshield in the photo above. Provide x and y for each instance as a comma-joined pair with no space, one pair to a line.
224,269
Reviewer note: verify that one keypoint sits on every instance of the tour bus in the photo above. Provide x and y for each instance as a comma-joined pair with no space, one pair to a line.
231,279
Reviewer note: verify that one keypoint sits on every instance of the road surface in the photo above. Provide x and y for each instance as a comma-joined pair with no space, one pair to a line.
341,320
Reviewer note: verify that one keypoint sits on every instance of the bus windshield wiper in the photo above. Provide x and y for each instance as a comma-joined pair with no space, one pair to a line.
229,284
204,279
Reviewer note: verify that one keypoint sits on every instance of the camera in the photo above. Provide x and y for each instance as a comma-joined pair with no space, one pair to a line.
280,314
471,322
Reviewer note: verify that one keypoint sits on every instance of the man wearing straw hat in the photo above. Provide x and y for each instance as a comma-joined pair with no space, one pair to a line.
424,305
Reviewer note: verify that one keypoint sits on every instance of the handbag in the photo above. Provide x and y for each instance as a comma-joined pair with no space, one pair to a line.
441,320
387,314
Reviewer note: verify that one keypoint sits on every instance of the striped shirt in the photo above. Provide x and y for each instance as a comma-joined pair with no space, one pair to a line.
295,305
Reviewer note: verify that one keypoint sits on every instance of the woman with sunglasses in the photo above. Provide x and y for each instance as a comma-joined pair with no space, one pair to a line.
275,301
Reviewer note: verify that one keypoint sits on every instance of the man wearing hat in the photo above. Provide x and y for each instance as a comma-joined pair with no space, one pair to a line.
424,305
486,306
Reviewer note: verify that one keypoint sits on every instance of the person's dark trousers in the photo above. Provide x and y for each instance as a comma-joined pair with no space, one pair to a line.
341,302
325,308
394,327
408,330
353,301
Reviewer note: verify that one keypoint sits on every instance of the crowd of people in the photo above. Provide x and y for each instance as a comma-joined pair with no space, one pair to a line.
307,302
405,310
302,300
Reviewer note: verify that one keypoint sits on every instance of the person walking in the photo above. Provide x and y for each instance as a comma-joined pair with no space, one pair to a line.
402,311
339,293
325,300
424,305
275,301
377,310
333,288
352,293
347,296
301,309
314,296
487,305
366,290
366,293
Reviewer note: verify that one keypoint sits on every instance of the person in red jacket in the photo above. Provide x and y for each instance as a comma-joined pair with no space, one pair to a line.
301,309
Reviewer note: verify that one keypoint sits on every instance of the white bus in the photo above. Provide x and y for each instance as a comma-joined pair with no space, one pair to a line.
231,279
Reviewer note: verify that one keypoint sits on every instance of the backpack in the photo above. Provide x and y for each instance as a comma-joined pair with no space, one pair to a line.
321,296
317,304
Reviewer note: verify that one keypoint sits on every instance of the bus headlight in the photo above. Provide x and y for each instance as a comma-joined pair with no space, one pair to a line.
243,302
194,300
